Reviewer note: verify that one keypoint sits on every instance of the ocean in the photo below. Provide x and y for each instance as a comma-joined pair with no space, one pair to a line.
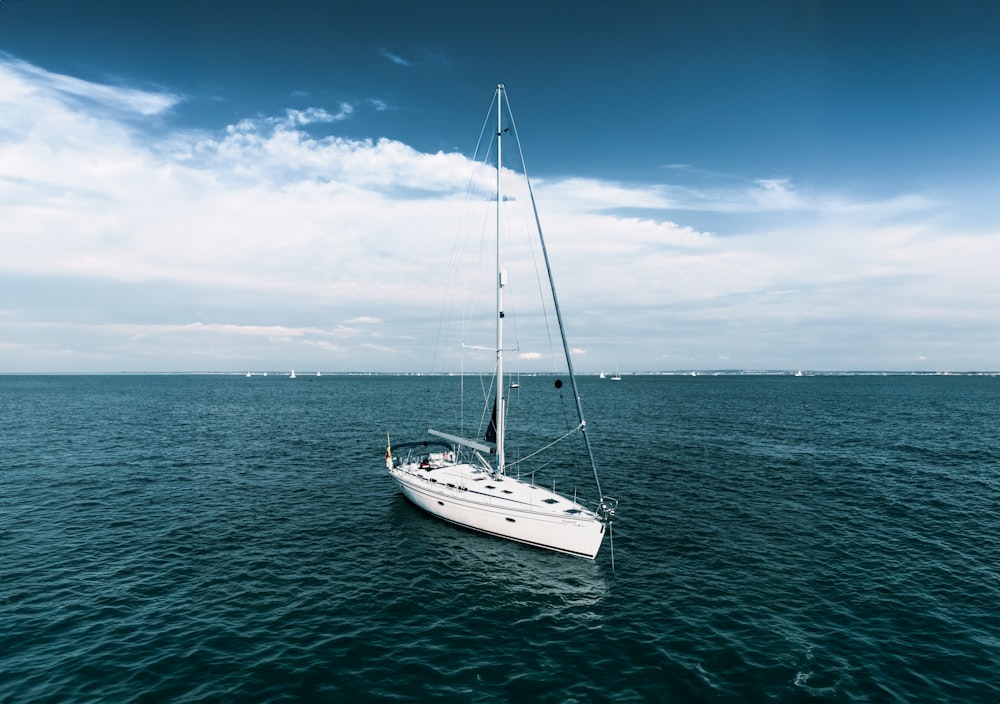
199,538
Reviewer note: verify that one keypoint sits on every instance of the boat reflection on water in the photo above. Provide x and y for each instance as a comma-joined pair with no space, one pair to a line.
548,583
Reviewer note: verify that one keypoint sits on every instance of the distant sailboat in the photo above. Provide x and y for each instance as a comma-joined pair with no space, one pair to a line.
249,375
292,375
472,482
602,375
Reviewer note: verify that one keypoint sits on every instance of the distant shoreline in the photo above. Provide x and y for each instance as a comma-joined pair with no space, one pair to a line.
693,373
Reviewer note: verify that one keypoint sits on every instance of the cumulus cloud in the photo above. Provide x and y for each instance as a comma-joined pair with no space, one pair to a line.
259,242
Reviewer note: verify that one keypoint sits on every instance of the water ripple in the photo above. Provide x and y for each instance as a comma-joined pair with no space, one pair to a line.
216,538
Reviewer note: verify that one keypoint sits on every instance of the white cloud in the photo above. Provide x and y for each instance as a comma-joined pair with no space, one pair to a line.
19,79
272,246
776,194
592,195
394,58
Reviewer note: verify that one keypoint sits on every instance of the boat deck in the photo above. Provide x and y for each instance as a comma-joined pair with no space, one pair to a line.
478,484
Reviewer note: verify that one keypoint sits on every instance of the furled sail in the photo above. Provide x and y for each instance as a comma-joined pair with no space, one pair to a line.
491,431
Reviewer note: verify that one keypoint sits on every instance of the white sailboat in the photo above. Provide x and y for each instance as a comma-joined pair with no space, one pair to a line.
473,482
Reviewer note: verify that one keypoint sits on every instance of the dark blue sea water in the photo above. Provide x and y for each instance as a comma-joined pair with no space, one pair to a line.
217,538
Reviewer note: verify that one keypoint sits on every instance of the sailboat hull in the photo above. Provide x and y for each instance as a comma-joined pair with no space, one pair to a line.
503,507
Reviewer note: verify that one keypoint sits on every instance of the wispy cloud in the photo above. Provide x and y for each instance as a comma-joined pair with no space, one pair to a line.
426,57
19,75
743,196
394,58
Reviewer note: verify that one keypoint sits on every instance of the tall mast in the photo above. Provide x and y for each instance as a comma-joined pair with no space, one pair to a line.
501,416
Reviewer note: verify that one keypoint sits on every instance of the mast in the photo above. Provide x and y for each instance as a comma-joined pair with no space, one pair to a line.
501,416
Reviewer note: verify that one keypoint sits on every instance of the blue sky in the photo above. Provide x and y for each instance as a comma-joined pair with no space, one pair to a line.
249,185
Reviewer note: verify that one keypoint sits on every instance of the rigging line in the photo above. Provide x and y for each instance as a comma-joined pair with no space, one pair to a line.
533,472
473,194
462,290
486,125
451,323
485,239
611,534
545,313
555,301
526,216
464,240
546,447
487,393
476,285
